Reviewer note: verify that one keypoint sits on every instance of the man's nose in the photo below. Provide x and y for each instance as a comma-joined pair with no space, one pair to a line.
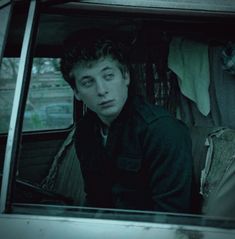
101,88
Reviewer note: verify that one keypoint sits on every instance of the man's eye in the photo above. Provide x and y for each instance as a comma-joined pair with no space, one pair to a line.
87,83
109,76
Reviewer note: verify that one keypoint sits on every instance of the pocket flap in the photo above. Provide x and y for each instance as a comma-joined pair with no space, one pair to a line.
129,163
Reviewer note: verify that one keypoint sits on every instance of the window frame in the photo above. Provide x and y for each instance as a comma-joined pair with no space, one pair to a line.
22,85
12,150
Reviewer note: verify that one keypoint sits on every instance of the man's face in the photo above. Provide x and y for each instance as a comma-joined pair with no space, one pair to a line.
102,87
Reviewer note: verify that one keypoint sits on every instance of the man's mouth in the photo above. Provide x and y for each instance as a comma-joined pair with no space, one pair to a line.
107,103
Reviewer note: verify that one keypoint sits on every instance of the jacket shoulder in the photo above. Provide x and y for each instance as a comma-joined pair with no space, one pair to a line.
149,112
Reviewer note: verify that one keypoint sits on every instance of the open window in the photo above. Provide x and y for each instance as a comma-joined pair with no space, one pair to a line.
41,171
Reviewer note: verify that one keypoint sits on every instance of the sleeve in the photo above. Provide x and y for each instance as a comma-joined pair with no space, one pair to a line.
167,147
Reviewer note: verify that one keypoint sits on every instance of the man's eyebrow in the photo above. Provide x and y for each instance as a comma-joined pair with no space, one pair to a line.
107,68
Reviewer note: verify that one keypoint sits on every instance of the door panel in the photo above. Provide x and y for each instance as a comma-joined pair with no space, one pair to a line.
35,159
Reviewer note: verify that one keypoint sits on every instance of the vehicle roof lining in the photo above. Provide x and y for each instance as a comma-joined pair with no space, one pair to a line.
49,41
175,7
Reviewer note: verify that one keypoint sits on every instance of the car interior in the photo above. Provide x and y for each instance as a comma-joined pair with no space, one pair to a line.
44,168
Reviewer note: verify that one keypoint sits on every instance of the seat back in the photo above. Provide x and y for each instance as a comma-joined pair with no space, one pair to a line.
214,168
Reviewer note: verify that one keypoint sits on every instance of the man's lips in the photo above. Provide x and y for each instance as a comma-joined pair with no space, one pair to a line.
106,103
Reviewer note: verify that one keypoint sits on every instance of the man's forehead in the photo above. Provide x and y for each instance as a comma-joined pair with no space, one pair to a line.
103,62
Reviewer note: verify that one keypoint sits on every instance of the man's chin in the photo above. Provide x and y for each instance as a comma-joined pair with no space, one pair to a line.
108,116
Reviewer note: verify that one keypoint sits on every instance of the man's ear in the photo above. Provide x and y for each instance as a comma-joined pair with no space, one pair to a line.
127,78
76,94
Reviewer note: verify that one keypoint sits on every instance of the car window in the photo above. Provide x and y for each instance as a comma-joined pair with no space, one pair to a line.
44,165
50,100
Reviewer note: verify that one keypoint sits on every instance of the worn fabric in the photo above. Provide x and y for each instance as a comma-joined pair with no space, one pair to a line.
222,96
224,88
228,58
189,61
146,163
217,182
199,150
65,177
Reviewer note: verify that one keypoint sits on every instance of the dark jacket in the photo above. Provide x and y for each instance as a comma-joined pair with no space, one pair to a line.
146,163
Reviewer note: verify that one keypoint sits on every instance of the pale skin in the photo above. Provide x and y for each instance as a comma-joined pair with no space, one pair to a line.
102,87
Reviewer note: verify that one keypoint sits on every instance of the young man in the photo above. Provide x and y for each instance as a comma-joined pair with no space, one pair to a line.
133,155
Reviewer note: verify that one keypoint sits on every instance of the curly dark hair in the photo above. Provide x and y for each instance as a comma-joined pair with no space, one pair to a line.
90,45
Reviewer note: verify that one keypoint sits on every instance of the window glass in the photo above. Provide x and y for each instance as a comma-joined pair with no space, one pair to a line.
4,18
49,103
8,75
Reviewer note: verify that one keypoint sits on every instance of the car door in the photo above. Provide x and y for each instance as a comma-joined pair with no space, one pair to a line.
36,150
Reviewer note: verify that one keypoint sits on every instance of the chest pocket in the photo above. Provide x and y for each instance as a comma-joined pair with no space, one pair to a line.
131,164
129,171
